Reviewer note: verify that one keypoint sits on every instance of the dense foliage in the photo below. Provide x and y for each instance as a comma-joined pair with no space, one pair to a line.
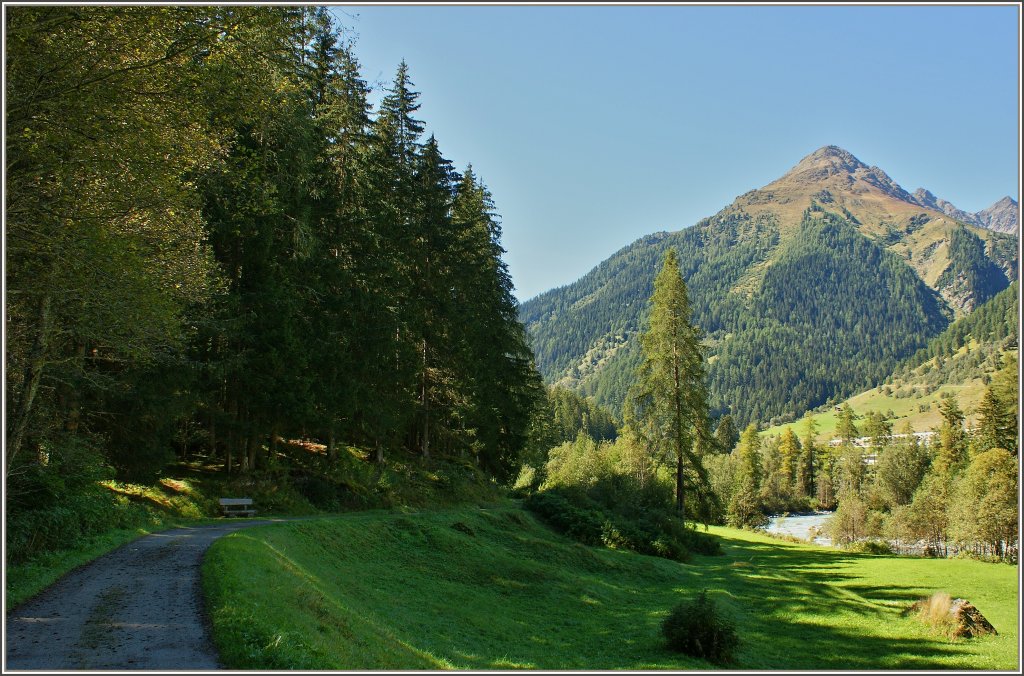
954,493
215,245
614,494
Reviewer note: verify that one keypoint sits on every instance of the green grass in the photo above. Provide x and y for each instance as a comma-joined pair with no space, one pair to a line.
474,588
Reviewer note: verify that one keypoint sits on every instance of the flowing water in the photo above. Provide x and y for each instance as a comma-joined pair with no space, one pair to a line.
804,526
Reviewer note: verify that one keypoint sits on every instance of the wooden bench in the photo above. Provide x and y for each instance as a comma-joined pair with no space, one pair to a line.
237,507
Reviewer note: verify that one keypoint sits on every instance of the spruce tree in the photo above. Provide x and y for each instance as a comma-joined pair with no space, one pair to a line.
952,452
726,434
996,426
845,427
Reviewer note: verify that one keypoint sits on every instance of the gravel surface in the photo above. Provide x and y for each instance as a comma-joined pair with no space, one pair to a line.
139,607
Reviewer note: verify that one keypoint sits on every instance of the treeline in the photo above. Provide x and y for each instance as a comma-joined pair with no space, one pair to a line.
214,243
958,493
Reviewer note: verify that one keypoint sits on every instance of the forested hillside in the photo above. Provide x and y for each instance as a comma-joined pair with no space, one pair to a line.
807,291
214,244
959,362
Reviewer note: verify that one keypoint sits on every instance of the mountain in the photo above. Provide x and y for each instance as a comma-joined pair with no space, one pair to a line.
926,199
808,290
1003,216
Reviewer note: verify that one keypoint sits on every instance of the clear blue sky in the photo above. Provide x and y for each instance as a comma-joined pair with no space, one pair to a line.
596,125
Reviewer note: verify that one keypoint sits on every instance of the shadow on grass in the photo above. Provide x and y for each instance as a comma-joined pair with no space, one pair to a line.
522,596
794,609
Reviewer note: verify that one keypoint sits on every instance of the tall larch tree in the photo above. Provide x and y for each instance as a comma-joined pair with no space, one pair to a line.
667,405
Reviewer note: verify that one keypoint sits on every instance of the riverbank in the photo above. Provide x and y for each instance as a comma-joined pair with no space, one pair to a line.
809,526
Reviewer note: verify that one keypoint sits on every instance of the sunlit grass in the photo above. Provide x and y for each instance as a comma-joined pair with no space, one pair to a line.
385,590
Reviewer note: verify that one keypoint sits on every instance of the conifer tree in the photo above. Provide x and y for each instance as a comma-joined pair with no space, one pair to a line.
1006,388
789,449
845,427
996,428
667,405
745,510
726,434
805,472
952,452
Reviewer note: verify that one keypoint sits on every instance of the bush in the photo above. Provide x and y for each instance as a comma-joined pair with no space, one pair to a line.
870,547
656,532
574,518
699,630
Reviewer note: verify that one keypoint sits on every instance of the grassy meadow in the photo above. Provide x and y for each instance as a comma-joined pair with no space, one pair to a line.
474,588
921,412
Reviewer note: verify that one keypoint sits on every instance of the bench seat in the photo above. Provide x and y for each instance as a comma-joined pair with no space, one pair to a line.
237,507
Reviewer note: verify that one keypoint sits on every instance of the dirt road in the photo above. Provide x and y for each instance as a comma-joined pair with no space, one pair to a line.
139,607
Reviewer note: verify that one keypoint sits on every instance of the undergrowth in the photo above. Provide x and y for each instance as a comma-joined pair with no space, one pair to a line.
646,529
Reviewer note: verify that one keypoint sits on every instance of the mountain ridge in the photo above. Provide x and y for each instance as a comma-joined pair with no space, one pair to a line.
584,333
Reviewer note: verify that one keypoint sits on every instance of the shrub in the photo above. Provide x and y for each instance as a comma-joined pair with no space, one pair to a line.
574,518
657,532
697,629
870,547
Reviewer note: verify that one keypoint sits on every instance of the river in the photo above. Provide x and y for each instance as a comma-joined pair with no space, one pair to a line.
803,526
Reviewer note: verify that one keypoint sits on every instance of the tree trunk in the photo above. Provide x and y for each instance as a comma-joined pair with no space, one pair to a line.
678,394
30,386
213,434
425,441
254,444
73,403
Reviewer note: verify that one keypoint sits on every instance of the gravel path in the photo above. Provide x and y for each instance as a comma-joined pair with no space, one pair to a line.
139,607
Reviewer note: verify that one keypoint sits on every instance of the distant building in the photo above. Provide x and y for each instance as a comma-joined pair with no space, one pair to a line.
924,438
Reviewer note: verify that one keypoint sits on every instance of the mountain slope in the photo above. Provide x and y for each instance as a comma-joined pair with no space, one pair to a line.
896,272
958,361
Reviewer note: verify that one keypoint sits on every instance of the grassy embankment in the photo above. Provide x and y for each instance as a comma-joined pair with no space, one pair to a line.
492,588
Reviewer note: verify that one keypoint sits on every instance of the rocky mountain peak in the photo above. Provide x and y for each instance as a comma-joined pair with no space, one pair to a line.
833,168
825,162
1003,216
926,199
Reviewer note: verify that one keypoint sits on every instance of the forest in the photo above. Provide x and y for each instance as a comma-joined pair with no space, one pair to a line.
215,245
218,251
